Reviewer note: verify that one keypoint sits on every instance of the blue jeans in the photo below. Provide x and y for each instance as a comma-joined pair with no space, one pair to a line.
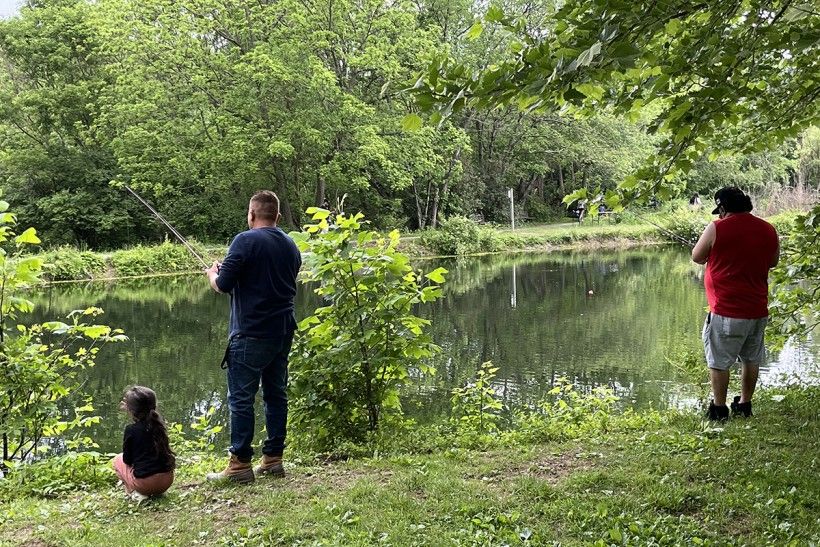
251,360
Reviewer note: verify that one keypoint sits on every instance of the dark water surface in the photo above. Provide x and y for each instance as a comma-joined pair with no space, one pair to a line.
603,318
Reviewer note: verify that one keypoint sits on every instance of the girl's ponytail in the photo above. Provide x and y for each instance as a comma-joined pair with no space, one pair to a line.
160,435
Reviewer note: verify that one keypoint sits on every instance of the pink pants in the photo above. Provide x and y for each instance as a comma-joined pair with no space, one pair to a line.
151,485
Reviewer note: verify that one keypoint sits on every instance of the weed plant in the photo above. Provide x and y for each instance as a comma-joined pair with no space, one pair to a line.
164,258
67,263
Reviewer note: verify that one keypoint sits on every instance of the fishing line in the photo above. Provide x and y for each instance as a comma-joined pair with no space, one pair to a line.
671,234
168,225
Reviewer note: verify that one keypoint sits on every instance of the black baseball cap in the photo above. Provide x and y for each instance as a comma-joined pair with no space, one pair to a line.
731,198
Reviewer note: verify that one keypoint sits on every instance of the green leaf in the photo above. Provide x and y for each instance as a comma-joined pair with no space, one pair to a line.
411,122
96,331
624,50
673,26
475,31
495,14
28,237
581,193
437,275
318,213
592,91
585,58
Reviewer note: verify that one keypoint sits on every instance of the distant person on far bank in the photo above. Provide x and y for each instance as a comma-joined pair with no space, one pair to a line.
259,273
738,250
694,201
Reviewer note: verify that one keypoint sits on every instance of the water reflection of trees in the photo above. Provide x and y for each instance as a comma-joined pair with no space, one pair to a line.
614,337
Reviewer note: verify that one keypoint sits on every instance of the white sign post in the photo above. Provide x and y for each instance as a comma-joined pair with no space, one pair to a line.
512,207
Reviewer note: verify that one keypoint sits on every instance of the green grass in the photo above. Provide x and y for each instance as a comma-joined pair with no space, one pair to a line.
680,482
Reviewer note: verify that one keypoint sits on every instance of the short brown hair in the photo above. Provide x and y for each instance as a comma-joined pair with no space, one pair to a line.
265,205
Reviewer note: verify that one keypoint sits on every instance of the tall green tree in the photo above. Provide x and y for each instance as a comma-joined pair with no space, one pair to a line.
217,99
53,161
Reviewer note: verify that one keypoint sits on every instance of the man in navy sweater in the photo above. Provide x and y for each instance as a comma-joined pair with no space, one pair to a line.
259,273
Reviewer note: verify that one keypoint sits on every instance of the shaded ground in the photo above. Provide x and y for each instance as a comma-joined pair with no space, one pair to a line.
751,482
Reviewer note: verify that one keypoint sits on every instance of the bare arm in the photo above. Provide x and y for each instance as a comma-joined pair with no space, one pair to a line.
213,273
703,247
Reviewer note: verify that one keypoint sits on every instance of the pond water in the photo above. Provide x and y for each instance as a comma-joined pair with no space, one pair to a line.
602,318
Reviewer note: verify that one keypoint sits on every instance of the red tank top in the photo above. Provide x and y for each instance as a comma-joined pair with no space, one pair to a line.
737,270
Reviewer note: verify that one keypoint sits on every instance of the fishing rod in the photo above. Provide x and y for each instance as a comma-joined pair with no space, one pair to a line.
671,234
168,225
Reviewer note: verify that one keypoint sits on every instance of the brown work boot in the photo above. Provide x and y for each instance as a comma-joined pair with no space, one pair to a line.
270,465
237,471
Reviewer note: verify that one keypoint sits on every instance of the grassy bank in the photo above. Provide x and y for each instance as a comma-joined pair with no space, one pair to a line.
461,236
666,479
455,237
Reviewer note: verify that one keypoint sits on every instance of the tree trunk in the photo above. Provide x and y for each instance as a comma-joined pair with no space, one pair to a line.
281,192
561,180
419,216
319,200
434,211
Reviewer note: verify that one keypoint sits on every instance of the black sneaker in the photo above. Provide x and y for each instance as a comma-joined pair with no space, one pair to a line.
741,409
717,413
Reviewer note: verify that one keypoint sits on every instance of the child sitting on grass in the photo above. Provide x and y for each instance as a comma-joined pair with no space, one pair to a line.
146,465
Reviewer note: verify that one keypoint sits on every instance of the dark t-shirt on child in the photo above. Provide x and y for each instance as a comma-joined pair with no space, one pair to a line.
138,451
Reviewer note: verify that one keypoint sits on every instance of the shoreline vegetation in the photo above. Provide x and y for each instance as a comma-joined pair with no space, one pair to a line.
575,467
619,478
457,236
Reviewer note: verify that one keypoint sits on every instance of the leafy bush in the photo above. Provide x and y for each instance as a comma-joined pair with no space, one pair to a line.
201,438
565,413
67,263
475,406
796,279
683,224
784,222
454,236
72,471
542,211
167,257
39,364
352,354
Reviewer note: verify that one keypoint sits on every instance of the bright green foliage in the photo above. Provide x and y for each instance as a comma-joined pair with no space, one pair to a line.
200,440
53,160
683,225
164,258
41,363
354,352
56,475
67,263
217,99
455,236
566,414
476,407
794,306
757,60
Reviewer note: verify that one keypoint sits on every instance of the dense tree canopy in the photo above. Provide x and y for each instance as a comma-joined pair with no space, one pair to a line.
198,103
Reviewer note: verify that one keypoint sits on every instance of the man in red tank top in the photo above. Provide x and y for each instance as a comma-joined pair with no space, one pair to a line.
738,250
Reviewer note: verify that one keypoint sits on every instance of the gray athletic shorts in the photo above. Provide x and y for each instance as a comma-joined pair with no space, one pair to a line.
727,340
